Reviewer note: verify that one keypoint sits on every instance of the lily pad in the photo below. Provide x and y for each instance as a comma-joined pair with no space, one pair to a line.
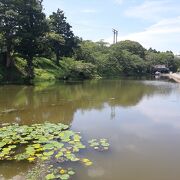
100,145
50,176
47,144
64,176
87,162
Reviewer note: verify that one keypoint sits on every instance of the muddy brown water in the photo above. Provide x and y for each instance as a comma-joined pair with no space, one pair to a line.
140,118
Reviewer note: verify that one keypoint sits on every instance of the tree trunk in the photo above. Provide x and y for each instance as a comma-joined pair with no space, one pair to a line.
3,58
57,58
8,59
30,68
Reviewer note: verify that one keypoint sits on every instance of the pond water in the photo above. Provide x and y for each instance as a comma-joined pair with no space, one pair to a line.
140,118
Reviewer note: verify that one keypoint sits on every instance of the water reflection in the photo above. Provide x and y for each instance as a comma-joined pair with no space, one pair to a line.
141,119
14,170
59,102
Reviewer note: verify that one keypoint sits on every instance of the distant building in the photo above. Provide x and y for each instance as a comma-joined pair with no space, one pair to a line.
160,68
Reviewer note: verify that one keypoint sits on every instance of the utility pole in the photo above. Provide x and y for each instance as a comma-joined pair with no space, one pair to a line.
115,36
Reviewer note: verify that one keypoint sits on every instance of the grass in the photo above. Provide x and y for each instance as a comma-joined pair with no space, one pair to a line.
46,70
14,73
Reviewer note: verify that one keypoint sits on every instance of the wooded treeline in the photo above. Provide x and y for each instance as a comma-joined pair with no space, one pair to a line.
36,46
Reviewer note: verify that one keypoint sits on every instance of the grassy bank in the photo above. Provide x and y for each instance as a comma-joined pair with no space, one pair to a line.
46,70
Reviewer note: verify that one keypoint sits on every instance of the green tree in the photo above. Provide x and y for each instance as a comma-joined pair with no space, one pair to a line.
102,45
2,43
8,27
177,63
59,26
55,41
161,58
94,52
131,46
152,50
127,63
32,27
85,51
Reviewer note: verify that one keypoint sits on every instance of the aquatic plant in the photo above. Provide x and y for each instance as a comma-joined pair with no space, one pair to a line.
46,144
100,145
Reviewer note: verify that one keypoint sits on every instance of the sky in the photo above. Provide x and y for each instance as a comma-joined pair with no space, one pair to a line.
153,23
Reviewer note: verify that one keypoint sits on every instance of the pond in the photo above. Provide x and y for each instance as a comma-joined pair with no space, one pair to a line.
140,119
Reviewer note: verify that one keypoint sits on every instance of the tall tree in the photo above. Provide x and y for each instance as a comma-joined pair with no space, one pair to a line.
32,26
58,25
2,43
8,26
55,41
131,46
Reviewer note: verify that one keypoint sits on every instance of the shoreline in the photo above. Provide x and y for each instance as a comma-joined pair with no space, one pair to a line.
174,76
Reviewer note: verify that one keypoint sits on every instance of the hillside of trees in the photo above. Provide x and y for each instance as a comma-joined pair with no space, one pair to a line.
36,47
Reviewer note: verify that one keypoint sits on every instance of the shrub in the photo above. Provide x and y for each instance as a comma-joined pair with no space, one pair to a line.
77,69
43,75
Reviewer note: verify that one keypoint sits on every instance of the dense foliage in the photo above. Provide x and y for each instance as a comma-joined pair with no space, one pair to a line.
33,46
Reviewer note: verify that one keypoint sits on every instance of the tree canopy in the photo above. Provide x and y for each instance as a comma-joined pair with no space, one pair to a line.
40,45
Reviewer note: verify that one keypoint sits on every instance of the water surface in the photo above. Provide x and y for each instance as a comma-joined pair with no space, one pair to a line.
141,119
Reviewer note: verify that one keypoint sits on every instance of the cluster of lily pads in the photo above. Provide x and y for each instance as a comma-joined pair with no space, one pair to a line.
60,173
100,145
48,142
49,171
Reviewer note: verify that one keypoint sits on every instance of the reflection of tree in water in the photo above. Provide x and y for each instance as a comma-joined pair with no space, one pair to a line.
59,102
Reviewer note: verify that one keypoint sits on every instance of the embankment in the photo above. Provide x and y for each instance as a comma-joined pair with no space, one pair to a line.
175,76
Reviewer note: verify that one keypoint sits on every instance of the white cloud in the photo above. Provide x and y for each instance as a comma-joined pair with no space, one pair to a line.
163,35
83,27
119,1
89,11
152,10
167,116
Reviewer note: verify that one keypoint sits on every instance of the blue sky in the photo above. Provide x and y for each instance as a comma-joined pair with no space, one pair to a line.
153,23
